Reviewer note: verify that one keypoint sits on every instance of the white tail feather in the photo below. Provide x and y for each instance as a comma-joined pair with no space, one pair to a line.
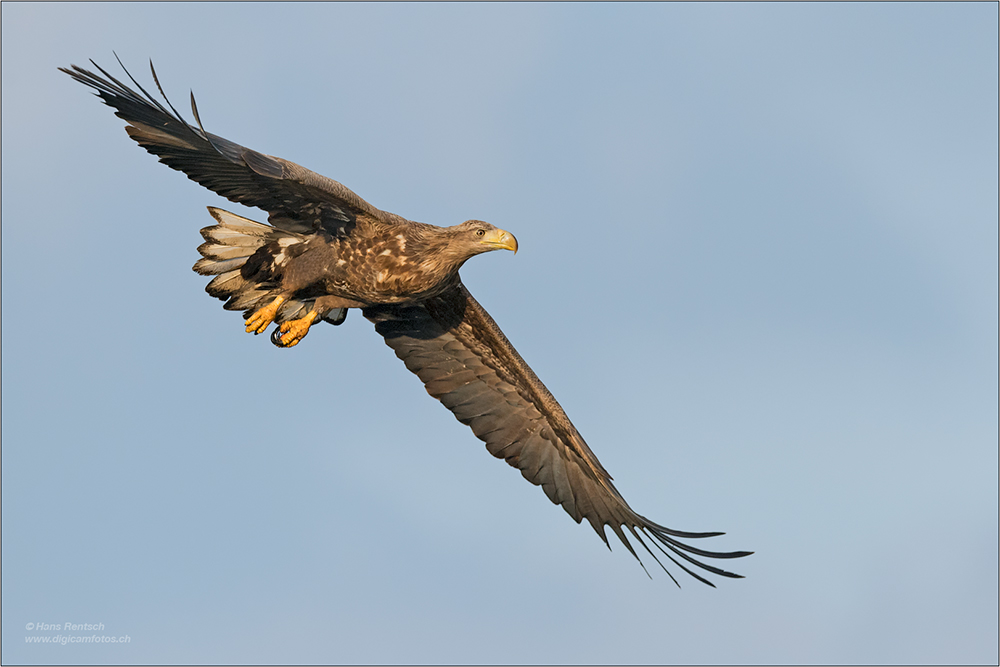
226,251
226,284
208,266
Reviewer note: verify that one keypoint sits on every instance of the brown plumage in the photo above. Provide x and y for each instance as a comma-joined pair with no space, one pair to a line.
325,250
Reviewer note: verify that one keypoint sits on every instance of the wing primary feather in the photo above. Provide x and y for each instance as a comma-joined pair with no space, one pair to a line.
116,87
197,118
112,85
617,529
124,88
635,534
665,535
693,574
704,566
124,91
681,533
166,99
704,552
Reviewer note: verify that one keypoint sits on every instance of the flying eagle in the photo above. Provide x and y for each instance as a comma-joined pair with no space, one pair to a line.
324,250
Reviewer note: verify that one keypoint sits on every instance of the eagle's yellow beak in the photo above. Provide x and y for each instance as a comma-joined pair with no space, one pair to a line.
499,239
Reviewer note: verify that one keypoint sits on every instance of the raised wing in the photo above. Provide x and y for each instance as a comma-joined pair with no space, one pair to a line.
466,362
296,199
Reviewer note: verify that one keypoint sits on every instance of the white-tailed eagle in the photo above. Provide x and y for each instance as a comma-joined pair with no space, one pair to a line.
324,250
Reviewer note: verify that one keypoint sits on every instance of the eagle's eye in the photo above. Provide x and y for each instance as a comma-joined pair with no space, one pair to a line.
480,232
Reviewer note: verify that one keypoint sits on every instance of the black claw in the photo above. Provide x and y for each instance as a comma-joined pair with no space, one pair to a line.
276,337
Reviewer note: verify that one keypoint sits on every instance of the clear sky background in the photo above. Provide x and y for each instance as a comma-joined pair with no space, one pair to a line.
758,268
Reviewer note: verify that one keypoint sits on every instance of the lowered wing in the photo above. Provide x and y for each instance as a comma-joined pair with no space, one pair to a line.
465,361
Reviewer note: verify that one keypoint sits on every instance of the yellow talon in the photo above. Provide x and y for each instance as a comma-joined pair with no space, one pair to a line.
295,330
259,320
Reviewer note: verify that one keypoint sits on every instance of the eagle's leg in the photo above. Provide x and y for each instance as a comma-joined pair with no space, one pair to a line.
259,320
292,331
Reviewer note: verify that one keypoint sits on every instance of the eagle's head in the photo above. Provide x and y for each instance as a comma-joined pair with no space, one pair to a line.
476,236
443,250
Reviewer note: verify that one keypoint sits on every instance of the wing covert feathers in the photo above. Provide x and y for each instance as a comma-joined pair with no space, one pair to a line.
464,360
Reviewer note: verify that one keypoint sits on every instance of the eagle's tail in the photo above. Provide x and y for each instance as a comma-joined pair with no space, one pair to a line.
227,248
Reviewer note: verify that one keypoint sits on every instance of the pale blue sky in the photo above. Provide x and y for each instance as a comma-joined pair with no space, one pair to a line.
758,268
